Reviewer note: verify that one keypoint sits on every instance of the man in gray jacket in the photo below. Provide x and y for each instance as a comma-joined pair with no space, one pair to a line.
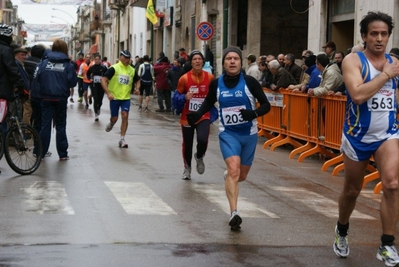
331,77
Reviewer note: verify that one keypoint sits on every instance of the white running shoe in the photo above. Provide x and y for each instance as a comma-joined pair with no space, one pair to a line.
389,255
340,246
123,144
200,164
235,221
186,174
109,127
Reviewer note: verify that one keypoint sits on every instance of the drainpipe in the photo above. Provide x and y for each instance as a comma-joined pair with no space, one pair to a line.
119,28
102,28
225,21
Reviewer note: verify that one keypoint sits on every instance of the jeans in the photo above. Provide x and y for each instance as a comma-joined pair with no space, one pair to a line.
56,109
36,113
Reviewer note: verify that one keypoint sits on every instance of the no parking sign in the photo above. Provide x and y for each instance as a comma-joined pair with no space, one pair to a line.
205,31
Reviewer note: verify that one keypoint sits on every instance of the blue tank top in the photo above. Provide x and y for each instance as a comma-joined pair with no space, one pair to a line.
375,119
231,101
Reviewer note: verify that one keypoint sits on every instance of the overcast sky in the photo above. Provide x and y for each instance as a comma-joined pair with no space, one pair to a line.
41,13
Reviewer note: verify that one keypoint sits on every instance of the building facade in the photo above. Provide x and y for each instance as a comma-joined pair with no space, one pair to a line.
257,27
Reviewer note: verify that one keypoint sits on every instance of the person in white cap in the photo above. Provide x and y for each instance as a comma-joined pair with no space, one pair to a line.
117,83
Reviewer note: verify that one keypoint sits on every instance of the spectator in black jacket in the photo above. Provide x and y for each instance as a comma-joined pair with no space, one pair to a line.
37,52
10,79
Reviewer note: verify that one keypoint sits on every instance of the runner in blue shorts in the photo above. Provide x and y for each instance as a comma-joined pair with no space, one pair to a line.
371,128
236,94
117,84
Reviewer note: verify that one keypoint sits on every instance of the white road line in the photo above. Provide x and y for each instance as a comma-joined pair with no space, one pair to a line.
319,203
216,194
46,197
137,198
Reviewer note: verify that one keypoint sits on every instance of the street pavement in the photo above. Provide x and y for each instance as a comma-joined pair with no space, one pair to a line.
108,206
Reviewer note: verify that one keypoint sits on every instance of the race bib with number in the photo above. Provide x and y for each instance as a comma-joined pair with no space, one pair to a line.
383,100
123,79
97,79
232,115
195,104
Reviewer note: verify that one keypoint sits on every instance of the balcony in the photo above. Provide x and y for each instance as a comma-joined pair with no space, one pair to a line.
95,25
8,4
139,3
117,4
84,37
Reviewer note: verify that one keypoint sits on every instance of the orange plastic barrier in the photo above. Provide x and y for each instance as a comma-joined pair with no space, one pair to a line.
310,124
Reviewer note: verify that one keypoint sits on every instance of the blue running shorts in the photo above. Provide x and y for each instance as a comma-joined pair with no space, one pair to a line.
85,86
238,145
359,151
114,106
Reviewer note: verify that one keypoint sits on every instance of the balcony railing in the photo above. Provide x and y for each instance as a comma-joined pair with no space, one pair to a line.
95,25
117,4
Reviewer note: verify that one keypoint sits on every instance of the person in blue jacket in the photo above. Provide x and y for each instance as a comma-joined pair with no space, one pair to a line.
55,75
314,73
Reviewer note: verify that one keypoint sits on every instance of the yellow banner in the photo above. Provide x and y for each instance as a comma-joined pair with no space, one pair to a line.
150,13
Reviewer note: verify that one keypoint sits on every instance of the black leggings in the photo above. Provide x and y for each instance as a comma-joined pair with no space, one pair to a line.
98,95
80,87
202,129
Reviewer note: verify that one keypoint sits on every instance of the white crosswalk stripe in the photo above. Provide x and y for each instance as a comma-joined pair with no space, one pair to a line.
216,194
137,198
50,197
46,197
319,203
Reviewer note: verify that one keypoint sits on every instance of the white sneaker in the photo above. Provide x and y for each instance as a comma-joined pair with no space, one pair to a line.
123,144
200,164
235,221
109,127
389,255
186,174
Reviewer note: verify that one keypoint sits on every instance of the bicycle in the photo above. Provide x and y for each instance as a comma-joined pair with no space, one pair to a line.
21,145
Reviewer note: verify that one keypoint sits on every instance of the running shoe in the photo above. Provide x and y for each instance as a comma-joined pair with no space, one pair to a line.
186,174
225,175
48,154
71,100
64,158
80,100
123,144
146,110
235,221
200,164
96,118
140,109
340,246
389,255
109,127
87,106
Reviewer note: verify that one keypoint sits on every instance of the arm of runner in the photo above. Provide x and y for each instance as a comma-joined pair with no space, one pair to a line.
357,89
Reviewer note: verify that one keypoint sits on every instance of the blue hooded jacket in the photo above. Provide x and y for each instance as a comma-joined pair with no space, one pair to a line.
55,75
315,77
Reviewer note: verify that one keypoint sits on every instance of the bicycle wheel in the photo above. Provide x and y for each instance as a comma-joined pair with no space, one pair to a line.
1,145
23,149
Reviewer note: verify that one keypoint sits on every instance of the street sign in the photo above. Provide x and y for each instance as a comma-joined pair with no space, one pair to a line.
205,31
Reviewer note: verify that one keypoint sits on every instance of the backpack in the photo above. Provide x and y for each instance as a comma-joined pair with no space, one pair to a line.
145,71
